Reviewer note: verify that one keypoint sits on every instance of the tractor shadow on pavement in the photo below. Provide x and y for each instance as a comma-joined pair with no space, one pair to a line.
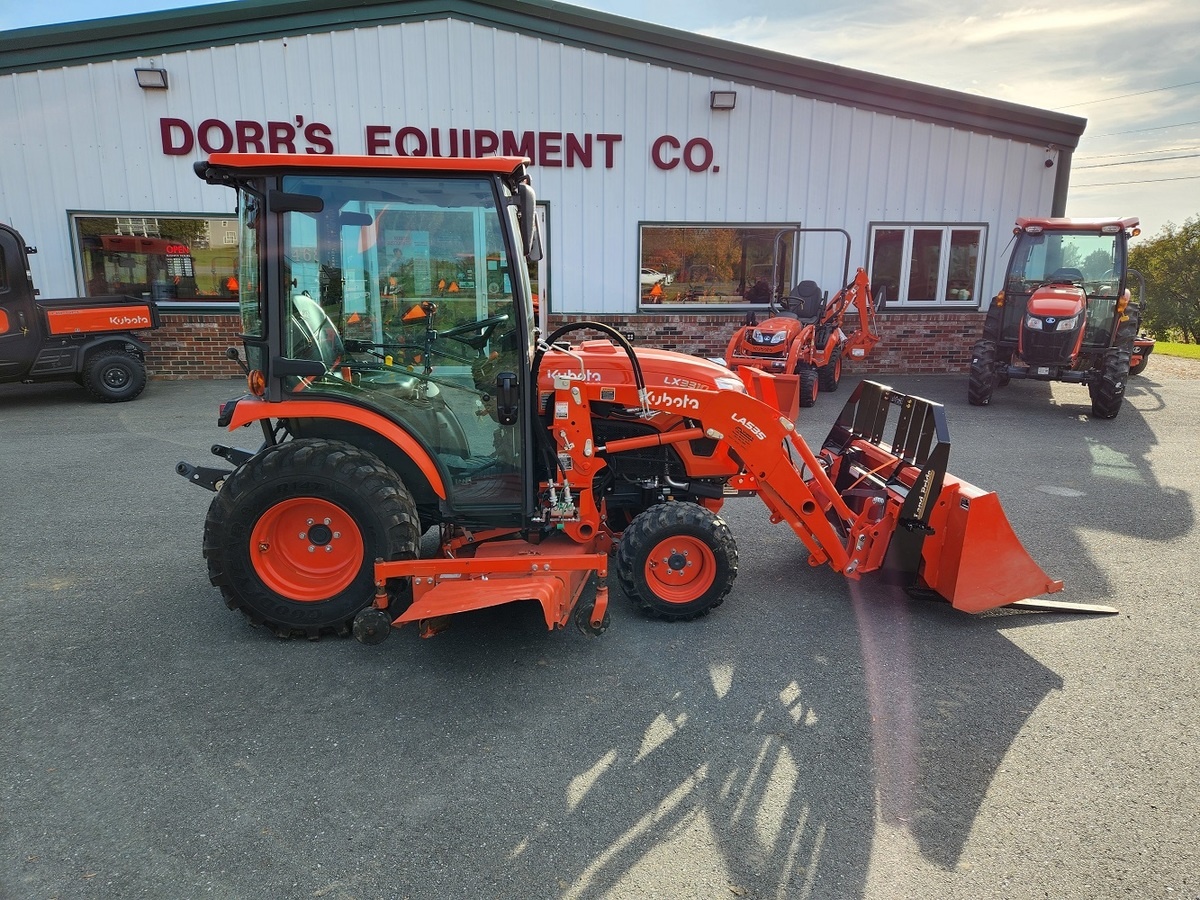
774,748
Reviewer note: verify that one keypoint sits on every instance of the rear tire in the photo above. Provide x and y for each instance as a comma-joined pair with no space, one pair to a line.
677,561
830,374
1109,391
983,373
292,536
114,376
808,384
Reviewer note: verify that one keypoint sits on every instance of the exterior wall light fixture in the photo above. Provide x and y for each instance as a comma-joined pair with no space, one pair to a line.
151,79
722,99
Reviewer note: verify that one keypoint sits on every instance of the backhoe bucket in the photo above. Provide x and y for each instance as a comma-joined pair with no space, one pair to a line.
949,536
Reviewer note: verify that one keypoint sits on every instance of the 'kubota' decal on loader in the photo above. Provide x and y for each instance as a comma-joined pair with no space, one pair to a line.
685,401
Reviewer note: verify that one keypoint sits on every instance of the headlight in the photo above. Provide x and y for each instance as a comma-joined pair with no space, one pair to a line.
731,384
1068,324
1033,322
769,337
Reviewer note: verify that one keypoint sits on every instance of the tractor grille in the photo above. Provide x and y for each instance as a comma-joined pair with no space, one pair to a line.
1047,348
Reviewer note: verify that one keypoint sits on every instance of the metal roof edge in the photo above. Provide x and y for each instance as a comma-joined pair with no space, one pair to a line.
153,34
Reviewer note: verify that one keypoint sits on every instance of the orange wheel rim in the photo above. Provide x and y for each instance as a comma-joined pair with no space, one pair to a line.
306,549
680,569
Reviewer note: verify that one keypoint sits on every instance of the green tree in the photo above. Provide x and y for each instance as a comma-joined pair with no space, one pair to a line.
1170,263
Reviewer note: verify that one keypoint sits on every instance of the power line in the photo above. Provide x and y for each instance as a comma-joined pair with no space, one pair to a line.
1140,130
1137,153
1138,162
1146,181
1135,94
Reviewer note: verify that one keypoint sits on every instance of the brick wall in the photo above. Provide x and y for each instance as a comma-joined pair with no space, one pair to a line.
913,343
193,346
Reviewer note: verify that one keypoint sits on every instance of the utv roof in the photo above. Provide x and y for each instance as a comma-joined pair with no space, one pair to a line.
249,162
1069,224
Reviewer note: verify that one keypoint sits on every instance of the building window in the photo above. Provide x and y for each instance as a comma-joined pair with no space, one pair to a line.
715,264
162,257
928,265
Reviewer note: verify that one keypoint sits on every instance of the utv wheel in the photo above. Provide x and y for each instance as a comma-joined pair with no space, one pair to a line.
113,376
1108,392
292,537
983,373
830,374
1141,366
808,384
677,561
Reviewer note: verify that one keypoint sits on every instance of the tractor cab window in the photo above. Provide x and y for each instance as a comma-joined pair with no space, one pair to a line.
405,289
1088,260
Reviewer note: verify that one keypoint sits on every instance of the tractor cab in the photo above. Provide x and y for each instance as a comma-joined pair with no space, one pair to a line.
1065,281
394,299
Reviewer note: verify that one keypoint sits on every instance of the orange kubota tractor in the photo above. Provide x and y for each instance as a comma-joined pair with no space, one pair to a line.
533,457
1065,313
805,335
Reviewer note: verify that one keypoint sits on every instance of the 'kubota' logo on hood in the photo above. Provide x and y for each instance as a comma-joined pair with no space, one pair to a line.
750,427
574,375
664,401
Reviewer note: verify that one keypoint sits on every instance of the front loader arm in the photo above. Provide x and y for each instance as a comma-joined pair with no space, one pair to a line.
876,496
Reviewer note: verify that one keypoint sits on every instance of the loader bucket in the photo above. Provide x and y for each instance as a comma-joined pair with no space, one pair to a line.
950,537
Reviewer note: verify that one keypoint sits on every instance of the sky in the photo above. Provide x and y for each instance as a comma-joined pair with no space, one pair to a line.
1131,69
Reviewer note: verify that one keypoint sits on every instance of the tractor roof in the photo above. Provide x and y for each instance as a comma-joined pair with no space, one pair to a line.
1125,224
249,162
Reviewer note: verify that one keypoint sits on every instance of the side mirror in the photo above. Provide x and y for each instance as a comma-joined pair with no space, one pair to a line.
531,239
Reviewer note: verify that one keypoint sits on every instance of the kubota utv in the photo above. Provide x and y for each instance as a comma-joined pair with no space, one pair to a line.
400,385
803,334
1064,314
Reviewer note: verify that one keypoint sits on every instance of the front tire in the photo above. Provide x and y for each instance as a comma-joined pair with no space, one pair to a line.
983,373
114,376
808,384
1108,392
292,537
677,561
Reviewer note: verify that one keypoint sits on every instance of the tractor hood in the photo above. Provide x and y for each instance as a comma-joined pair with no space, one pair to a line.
603,362
1056,300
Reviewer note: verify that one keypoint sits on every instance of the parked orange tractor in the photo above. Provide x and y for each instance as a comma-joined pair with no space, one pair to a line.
1065,313
805,336
534,458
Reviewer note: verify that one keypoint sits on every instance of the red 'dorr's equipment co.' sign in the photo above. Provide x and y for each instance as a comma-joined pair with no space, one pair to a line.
550,149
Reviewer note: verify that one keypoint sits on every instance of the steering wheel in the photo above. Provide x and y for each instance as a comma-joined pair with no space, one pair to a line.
485,327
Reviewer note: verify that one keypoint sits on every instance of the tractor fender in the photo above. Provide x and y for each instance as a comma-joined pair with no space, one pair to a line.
251,409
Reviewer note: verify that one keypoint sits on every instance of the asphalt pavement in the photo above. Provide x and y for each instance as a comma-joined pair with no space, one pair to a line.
813,738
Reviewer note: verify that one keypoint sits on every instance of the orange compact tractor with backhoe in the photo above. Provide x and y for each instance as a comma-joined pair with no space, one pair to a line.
805,336
1065,313
540,461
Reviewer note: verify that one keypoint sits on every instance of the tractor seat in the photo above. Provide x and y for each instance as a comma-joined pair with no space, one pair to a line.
1064,276
806,301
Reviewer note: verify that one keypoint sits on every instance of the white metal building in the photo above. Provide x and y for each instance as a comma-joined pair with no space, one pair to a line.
646,141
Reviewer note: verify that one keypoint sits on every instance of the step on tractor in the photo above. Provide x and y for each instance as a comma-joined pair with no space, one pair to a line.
1065,313
540,461
804,334
93,341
